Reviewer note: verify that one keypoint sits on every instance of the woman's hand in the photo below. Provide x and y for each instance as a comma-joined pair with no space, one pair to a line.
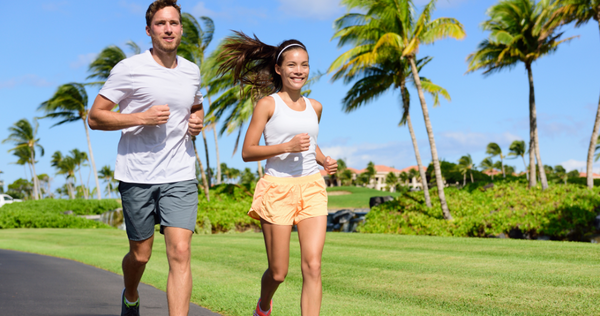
299,143
330,165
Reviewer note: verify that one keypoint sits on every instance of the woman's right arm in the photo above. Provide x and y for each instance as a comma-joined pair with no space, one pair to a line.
252,151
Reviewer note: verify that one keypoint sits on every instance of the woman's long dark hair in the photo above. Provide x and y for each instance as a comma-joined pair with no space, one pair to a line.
252,62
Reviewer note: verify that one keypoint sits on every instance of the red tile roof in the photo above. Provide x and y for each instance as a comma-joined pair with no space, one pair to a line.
594,175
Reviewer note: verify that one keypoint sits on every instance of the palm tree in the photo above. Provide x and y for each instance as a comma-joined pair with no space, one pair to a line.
466,165
581,12
108,58
342,167
520,31
24,158
194,43
70,104
561,173
66,166
108,175
391,179
204,180
79,158
510,170
23,135
370,172
493,149
390,73
346,177
517,149
487,165
391,25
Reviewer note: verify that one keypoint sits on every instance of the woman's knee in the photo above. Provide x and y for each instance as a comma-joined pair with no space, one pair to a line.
278,275
311,268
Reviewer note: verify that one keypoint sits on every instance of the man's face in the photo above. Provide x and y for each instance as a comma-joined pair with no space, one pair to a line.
165,30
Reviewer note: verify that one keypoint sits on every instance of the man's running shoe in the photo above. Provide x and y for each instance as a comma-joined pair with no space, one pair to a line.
127,309
259,312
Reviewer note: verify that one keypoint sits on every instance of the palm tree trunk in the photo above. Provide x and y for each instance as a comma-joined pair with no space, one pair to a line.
70,189
524,164
85,193
36,193
204,181
207,160
502,164
217,152
406,101
472,177
214,128
532,122
87,135
260,170
592,149
465,179
533,126
434,155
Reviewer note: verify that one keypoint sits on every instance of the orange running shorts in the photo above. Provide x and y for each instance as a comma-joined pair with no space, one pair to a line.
287,201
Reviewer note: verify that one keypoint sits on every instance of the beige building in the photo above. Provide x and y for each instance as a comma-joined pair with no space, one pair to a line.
381,172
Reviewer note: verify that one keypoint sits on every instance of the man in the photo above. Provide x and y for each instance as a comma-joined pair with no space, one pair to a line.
160,109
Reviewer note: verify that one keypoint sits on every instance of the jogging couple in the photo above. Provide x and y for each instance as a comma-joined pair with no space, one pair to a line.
160,103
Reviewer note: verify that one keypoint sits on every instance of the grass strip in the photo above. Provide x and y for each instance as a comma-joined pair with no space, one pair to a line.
362,274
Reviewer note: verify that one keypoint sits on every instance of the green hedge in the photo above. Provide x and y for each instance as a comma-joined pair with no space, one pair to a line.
227,210
563,212
49,213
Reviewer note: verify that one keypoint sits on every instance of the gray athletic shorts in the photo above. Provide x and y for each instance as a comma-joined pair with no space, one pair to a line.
168,204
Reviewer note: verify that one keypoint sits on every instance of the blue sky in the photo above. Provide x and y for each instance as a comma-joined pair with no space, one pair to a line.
52,42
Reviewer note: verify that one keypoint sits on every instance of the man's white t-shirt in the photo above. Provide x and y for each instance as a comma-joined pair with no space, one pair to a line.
161,153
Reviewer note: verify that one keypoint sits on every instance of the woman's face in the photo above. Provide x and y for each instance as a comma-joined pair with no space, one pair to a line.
294,69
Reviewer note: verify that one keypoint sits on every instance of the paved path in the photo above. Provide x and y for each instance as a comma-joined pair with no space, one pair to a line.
35,285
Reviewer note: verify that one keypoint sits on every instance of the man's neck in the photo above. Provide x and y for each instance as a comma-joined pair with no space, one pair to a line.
165,59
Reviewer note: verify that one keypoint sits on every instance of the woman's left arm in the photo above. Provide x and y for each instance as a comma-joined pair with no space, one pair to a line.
328,163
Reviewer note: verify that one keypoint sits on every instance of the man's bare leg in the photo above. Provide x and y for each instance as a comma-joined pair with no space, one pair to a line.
179,283
134,265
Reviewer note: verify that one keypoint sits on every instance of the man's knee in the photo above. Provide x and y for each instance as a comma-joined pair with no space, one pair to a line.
179,252
139,258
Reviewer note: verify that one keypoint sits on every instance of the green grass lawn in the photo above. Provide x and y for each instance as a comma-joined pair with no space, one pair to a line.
359,197
363,274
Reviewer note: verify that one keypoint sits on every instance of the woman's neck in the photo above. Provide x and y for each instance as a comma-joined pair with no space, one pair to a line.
293,95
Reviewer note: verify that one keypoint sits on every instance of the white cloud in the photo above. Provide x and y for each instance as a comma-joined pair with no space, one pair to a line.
580,166
461,143
317,9
83,60
200,10
32,80
132,7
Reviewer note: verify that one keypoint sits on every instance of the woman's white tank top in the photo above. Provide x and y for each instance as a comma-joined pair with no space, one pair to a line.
281,128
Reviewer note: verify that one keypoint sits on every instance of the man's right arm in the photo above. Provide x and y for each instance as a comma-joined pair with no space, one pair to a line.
102,117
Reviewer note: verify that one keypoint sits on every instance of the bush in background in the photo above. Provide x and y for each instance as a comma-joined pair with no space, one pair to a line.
49,213
563,212
228,209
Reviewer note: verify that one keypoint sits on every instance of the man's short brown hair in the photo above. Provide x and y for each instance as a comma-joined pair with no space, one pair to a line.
160,4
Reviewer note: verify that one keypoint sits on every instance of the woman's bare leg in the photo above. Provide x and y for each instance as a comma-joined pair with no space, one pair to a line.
311,233
277,243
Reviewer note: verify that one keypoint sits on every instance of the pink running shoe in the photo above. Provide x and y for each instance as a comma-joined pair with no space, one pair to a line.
259,312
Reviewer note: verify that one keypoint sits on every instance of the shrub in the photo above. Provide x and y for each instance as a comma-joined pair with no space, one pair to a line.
228,208
561,212
48,213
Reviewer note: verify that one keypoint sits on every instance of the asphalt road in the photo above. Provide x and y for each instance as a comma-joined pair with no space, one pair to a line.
35,285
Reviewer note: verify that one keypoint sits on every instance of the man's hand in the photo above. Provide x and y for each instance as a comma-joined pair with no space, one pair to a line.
330,165
299,143
156,115
195,125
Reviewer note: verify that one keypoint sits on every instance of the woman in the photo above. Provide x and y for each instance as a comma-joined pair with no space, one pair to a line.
292,192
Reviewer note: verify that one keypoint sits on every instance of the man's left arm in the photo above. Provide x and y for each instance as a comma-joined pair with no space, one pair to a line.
196,120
